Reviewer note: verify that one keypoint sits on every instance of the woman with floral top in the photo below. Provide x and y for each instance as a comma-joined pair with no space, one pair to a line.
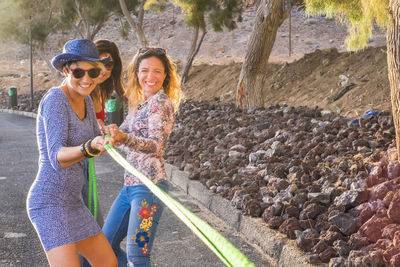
153,94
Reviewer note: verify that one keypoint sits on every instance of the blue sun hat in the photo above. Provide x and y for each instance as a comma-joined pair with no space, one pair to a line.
78,50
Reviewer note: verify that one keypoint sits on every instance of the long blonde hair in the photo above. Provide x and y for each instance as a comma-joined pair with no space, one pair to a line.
171,85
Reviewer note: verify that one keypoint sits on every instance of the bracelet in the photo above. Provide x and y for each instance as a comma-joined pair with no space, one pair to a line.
91,152
84,151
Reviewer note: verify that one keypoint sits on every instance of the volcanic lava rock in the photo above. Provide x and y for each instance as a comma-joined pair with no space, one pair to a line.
302,170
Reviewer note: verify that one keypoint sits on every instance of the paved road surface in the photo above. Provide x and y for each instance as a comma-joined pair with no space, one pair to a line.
175,244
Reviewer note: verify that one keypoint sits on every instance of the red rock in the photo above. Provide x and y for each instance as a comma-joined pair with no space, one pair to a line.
383,244
374,180
327,254
330,236
396,239
392,154
390,252
389,231
275,222
357,241
289,226
270,212
394,208
322,223
379,191
393,169
372,229
292,211
388,198
366,213
395,260
376,258
252,207
311,211
306,224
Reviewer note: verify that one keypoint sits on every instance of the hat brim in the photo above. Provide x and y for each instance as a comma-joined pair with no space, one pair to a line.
60,60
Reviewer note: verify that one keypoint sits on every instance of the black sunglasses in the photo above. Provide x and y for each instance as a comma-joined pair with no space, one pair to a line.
78,73
109,65
156,49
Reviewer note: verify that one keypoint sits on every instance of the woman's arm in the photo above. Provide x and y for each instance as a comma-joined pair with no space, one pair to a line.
160,124
55,121
68,156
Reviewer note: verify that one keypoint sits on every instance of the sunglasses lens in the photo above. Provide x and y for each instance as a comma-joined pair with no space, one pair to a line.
109,65
78,73
94,73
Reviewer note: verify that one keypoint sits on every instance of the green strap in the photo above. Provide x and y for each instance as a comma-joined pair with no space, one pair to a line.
92,188
227,253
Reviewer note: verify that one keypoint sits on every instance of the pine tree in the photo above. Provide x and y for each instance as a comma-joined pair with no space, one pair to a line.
22,18
220,14
136,21
85,17
359,16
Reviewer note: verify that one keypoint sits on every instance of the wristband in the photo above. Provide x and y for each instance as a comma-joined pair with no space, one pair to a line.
84,151
91,152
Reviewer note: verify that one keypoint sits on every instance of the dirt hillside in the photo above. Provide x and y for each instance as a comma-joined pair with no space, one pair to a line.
317,70
314,80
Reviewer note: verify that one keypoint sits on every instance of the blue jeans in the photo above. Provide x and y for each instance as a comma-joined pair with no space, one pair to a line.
134,214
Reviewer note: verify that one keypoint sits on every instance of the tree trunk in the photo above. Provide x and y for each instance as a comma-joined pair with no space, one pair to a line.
270,15
137,27
97,28
393,59
57,75
85,33
194,49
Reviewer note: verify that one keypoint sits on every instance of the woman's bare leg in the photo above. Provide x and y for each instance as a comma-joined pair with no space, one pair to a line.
63,256
97,250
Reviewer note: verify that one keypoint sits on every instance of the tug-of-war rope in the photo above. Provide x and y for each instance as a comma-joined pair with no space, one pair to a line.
227,252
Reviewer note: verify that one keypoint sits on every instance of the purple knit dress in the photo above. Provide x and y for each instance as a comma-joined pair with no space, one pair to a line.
55,205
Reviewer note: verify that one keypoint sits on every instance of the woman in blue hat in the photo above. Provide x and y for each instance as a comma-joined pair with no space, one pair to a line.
68,134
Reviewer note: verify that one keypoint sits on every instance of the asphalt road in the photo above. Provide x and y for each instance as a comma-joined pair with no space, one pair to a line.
175,244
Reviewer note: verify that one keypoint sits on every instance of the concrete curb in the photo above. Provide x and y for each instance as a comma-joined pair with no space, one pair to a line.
18,112
279,250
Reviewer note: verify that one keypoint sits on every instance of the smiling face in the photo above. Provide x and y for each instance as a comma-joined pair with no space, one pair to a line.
151,75
106,72
82,86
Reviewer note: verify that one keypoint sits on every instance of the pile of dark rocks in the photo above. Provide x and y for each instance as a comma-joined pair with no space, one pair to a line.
23,101
331,185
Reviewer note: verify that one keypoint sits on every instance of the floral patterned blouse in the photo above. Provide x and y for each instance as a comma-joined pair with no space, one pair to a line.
148,131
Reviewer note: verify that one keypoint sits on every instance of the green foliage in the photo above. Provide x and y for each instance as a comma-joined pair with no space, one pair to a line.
132,6
157,5
225,16
221,13
78,14
17,17
360,16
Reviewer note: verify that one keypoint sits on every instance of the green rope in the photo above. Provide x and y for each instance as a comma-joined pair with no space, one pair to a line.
92,188
226,252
